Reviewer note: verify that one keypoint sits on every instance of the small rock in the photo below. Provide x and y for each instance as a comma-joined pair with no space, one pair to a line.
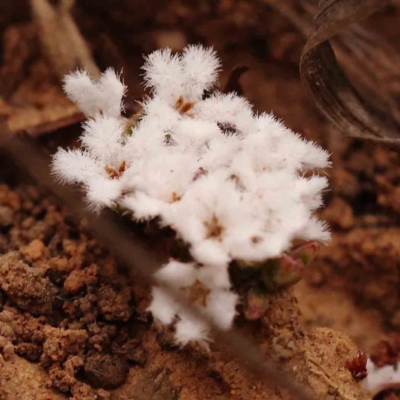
106,371
79,278
24,286
34,251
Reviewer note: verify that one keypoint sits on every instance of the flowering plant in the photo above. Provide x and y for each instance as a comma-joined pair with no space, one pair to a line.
236,187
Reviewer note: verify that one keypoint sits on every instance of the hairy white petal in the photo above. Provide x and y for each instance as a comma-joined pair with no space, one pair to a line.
144,206
75,166
231,112
164,74
216,276
104,96
162,306
112,90
209,252
177,274
102,139
200,66
190,329
103,192
221,307
80,88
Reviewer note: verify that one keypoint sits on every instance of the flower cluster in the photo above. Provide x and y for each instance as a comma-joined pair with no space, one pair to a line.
233,185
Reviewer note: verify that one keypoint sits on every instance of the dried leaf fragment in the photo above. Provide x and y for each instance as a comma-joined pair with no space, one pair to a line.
327,83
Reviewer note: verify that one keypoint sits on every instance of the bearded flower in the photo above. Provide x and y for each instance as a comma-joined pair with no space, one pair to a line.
232,185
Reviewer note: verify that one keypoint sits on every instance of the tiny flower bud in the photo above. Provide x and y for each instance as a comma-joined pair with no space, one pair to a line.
288,269
256,304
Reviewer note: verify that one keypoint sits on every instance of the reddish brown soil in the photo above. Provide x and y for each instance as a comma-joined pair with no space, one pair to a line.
70,311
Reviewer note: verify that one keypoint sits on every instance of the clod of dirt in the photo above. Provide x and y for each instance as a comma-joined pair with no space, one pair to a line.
82,391
60,264
60,343
61,380
5,328
25,286
105,371
114,304
30,351
62,377
79,278
34,251
6,331
24,326
29,230
100,337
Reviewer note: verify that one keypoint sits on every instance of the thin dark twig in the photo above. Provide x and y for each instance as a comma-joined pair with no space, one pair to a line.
139,256
52,126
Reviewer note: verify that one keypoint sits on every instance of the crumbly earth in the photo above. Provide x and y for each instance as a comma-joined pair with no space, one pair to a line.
354,284
70,311
364,252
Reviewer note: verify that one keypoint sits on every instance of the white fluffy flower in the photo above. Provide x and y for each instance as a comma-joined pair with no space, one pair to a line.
231,184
